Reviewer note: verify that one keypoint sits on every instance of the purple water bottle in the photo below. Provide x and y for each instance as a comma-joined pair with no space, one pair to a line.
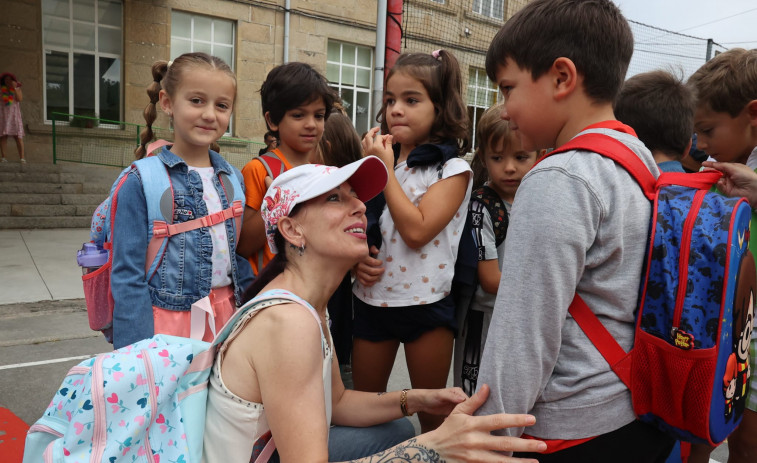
91,257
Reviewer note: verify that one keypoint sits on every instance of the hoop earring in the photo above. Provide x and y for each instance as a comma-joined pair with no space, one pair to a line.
300,249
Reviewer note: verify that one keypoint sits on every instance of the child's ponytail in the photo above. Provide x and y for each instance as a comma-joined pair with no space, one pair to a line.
159,69
454,113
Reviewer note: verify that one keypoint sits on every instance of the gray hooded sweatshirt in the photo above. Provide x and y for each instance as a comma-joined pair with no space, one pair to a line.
579,223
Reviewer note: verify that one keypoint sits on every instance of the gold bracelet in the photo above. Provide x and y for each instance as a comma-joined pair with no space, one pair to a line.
403,402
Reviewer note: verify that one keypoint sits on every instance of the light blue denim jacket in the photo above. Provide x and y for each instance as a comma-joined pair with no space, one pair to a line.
185,272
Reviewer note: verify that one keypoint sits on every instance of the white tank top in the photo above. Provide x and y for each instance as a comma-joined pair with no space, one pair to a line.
233,425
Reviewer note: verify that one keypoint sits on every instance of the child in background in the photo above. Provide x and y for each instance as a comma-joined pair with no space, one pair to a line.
504,162
296,101
11,124
660,108
403,291
579,225
271,142
725,121
197,92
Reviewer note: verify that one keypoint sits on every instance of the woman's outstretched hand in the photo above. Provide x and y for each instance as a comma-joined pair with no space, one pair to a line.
467,438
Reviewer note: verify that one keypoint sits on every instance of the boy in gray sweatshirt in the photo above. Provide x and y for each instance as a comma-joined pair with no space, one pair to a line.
579,224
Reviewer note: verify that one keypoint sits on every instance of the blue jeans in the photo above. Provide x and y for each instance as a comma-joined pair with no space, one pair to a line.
347,443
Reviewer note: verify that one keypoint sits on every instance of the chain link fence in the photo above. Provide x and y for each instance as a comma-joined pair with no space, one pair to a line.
91,140
657,48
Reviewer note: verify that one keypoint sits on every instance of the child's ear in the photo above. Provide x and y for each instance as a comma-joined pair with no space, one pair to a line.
271,126
564,77
751,110
165,102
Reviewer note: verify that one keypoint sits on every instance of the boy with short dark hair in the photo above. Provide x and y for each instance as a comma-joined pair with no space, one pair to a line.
270,143
296,101
725,121
579,224
660,109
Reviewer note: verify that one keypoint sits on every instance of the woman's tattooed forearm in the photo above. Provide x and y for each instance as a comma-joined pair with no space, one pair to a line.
407,452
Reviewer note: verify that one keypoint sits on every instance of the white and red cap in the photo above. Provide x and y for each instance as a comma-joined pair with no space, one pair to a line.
367,176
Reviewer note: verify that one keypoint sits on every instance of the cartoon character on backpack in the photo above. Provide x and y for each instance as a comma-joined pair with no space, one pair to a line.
736,381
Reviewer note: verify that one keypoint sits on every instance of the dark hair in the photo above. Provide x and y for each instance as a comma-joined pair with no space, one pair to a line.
275,266
442,80
340,144
727,82
269,134
660,108
591,33
168,78
291,85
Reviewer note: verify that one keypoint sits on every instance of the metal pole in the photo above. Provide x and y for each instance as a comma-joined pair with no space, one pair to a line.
380,56
709,49
287,6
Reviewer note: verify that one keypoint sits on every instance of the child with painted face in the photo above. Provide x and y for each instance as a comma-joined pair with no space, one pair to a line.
403,291
199,266
501,159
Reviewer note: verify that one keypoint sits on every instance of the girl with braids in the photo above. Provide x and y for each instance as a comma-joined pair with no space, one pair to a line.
196,281
403,289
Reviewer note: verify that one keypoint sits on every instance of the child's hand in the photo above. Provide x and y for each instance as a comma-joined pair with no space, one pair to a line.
375,144
370,269
268,180
738,180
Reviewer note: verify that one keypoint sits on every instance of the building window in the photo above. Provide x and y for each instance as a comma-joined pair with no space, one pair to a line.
197,33
491,8
82,42
349,71
482,94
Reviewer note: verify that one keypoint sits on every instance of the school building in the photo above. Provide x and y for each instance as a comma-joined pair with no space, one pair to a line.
92,58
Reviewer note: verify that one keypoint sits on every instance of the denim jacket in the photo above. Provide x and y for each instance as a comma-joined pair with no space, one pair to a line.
185,270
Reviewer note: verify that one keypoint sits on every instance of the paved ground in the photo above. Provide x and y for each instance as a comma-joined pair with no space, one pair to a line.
43,322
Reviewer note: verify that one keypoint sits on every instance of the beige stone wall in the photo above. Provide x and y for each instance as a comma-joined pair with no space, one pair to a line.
147,37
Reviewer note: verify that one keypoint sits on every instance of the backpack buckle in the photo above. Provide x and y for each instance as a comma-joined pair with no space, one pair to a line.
160,229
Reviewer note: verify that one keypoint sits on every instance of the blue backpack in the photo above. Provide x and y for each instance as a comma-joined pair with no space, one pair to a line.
688,371
158,192
145,402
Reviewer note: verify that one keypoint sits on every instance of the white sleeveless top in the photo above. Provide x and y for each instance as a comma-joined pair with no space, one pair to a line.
232,424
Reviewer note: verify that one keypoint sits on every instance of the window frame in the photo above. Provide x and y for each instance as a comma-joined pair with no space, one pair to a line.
476,88
339,86
71,51
192,40
478,8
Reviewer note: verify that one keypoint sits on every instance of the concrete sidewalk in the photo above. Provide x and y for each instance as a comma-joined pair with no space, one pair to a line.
39,265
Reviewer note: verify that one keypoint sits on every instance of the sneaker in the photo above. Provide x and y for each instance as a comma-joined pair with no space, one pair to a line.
23,161
4,160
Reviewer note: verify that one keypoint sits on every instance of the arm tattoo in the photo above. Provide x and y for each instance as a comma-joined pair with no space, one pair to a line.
407,452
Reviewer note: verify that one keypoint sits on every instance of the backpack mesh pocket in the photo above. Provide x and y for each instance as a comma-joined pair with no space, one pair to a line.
672,382
98,297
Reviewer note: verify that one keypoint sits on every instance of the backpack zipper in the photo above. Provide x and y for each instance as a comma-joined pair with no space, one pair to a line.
683,272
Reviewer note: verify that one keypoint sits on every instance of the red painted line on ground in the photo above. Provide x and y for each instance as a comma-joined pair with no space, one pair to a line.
12,436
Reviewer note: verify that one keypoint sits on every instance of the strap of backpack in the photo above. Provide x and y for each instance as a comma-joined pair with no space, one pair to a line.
618,359
274,166
618,152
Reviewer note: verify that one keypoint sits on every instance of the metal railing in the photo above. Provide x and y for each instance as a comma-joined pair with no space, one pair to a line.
93,140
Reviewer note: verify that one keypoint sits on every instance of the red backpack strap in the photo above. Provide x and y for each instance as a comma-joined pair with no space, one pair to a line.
617,151
274,166
618,359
